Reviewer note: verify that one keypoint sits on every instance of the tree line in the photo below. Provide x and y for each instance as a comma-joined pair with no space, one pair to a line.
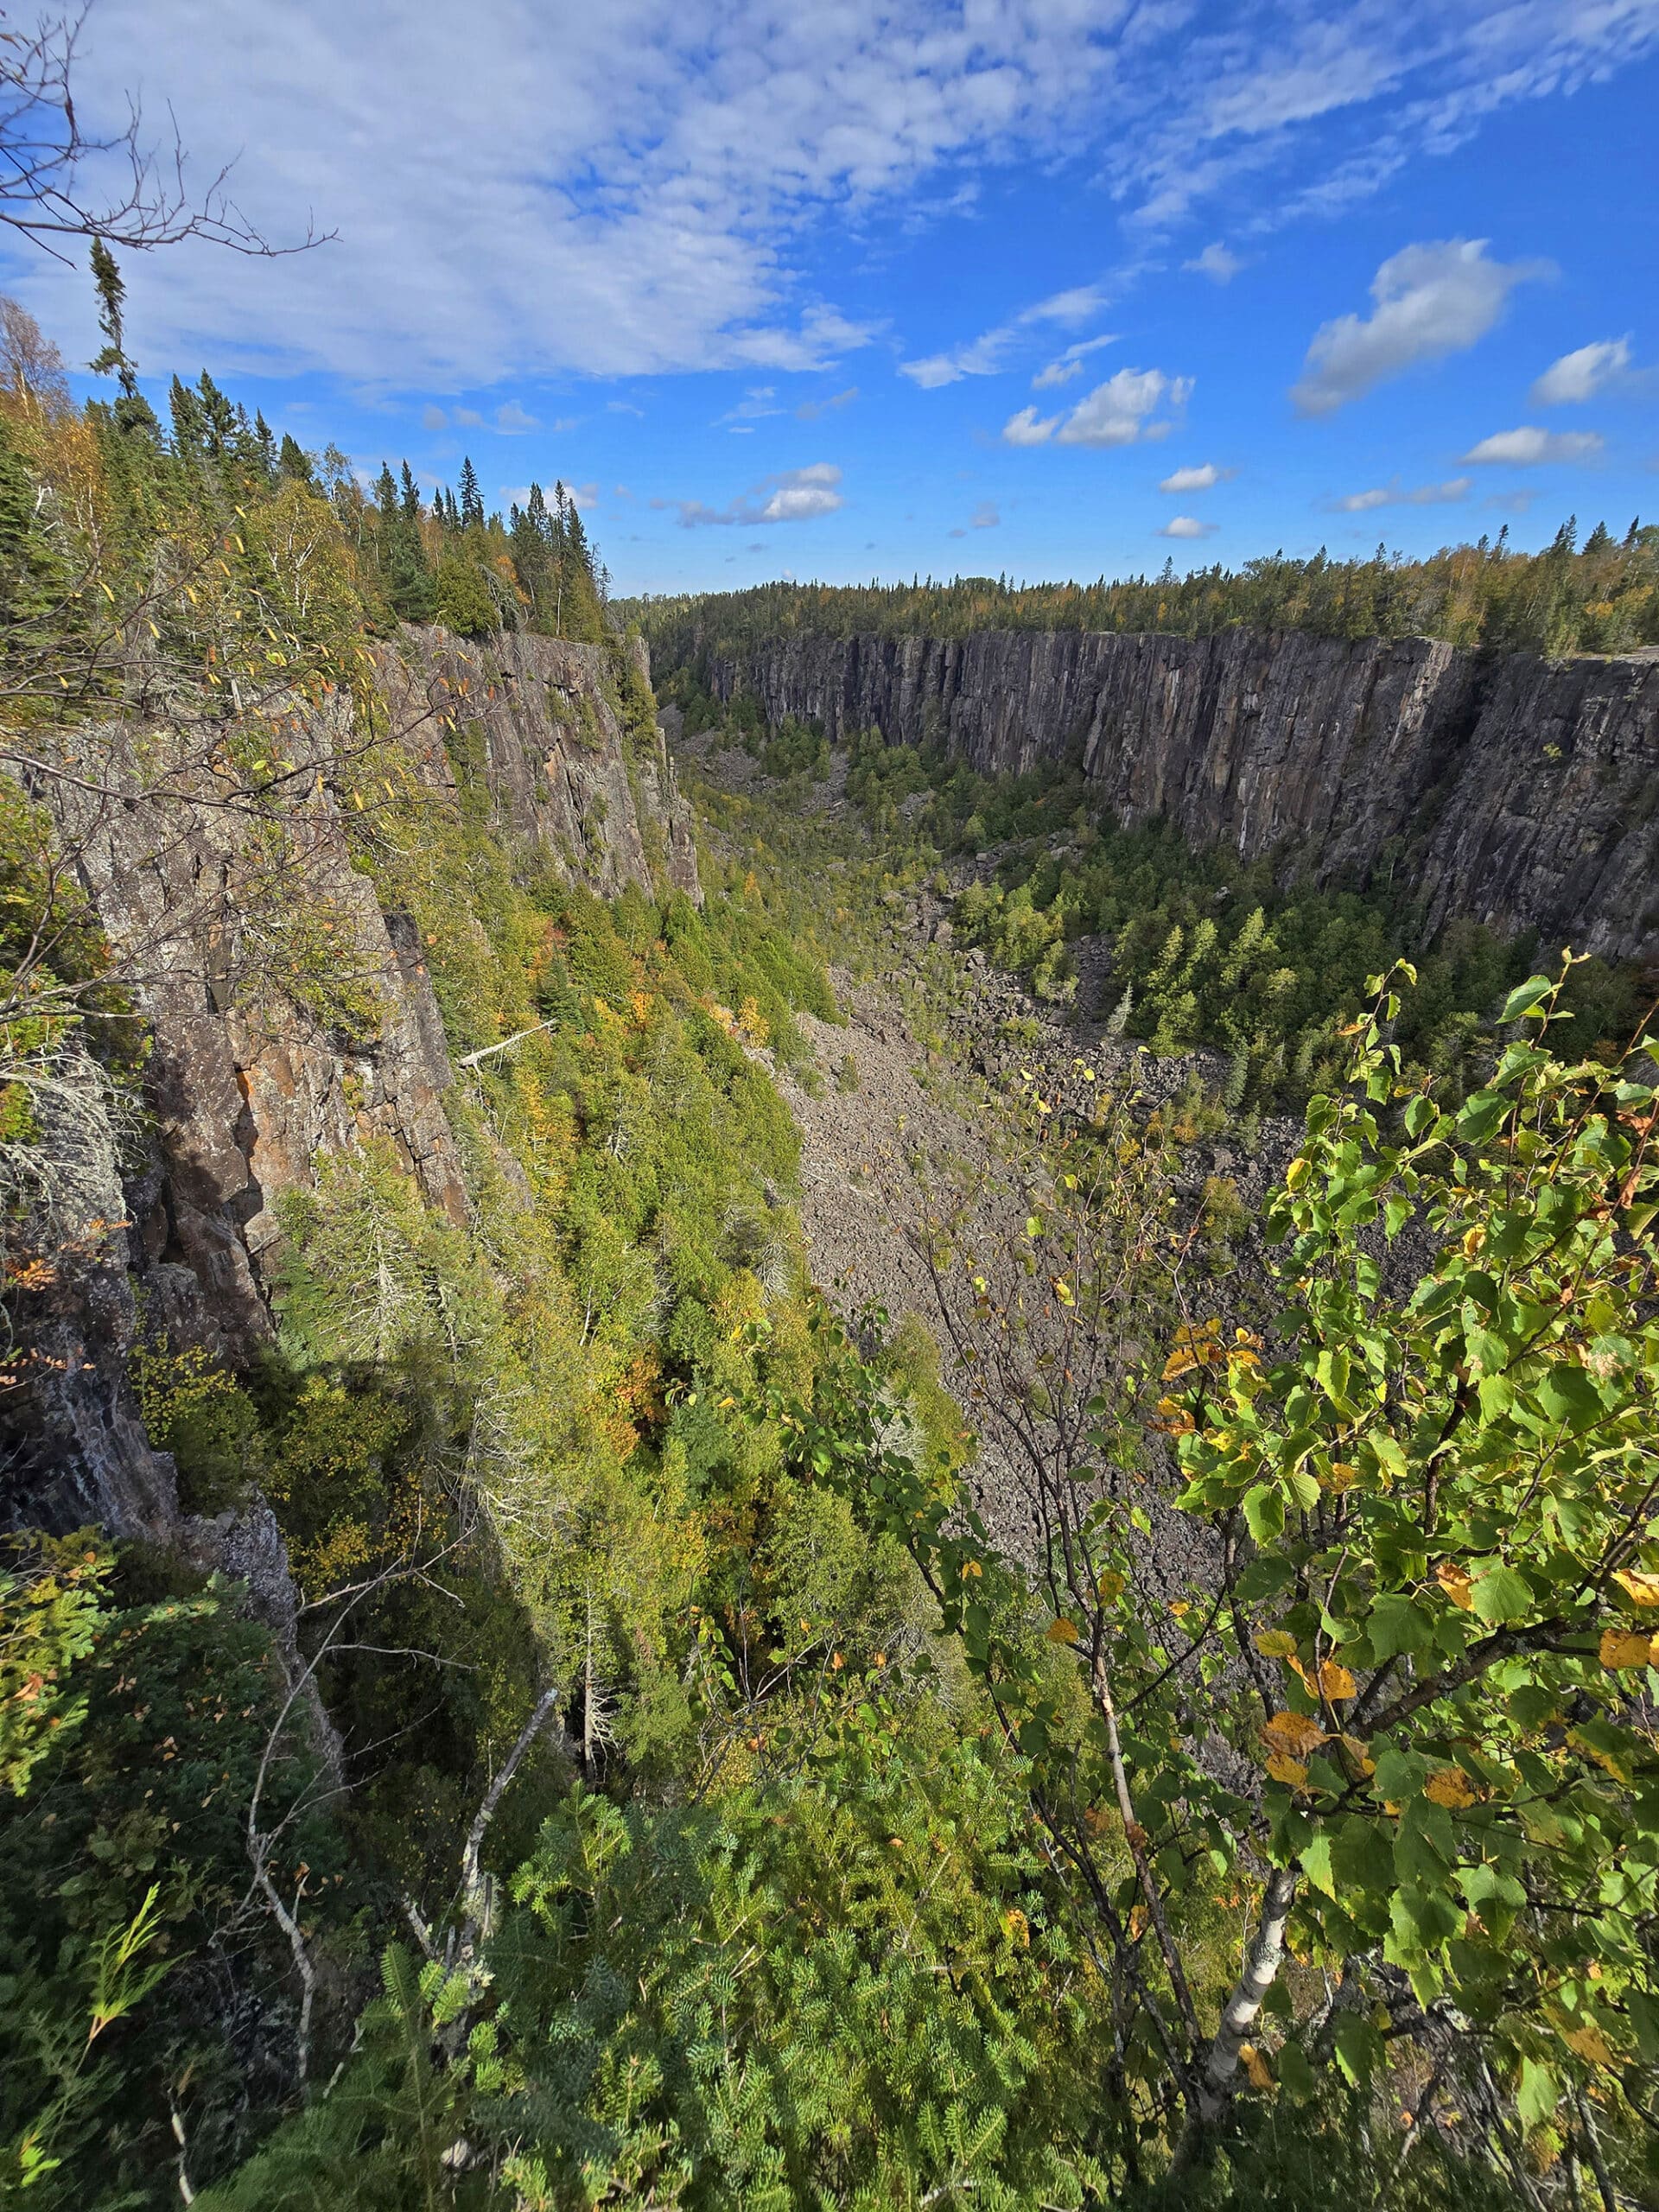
1600,595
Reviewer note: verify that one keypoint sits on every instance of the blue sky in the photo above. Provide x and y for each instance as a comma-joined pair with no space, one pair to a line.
1048,287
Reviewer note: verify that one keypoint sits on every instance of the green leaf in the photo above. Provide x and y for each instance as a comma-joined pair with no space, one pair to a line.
1419,1114
1397,1625
1501,1595
1523,999
1295,2074
1358,2048
1316,1862
1536,2094
1264,1511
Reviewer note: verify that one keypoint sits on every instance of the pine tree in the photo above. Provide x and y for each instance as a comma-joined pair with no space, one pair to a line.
294,461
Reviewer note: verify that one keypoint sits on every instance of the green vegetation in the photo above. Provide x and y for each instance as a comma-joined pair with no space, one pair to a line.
1602,596
665,1792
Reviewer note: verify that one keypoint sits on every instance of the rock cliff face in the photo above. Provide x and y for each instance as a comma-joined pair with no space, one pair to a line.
1521,791
246,1088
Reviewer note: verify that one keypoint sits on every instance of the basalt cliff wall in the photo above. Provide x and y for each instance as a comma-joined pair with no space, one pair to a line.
1519,792
171,1227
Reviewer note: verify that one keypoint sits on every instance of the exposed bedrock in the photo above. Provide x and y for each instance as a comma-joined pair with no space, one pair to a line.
1518,791
248,1089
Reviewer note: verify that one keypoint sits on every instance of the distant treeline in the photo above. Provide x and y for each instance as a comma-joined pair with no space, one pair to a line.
1600,597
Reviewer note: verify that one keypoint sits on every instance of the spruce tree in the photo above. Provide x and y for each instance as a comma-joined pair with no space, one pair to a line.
294,461
471,500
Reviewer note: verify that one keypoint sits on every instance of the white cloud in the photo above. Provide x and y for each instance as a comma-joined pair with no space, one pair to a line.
469,418
985,515
1070,364
645,182
1526,447
1188,526
1026,429
755,403
987,354
809,409
795,495
1581,374
511,420
1361,91
1203,479
1116,413
1395,494
1432,300
433,418
1215,262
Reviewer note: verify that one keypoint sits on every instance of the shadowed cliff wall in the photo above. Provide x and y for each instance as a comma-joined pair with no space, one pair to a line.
1519,792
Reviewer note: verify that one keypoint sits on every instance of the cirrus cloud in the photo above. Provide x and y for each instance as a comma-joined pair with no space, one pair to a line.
987,353
1431,300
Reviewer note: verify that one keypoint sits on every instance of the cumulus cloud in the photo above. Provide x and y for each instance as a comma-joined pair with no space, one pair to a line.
1527,446
1215,262
794,495
1204,479
1188,526
1070,364
511,420
1395,494
809,409
1581,374
1431,300
434,418
987,354
1120,412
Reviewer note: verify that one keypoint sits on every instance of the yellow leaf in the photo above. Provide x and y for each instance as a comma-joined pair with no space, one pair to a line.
1456,1583
1275,1642
1335,1681
1286,1770
1591,2045
1625,1647
1255,2065
1293,1732
1359,1760
1110,1585
1062,1631
1449,1788
1181,1608
1641,1589
1342,1476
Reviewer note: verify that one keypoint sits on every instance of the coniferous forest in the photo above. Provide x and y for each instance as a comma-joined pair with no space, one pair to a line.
517,1691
